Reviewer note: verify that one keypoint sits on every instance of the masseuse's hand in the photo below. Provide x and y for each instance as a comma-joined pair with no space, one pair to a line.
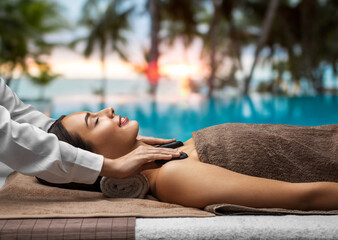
141,158
154,141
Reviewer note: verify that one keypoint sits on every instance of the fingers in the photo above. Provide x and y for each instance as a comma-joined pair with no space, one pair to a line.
147,154
154,157
150,154
153,150
163,150
139,137
163,141
154,141
157,155
137,160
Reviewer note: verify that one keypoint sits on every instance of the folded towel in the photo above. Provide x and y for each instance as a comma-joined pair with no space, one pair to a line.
135,186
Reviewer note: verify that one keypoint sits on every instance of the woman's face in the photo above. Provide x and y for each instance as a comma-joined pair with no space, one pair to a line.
111,135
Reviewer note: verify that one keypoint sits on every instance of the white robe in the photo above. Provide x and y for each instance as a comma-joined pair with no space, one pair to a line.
26,147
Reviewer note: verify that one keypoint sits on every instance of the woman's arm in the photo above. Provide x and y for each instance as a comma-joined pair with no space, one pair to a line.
196,184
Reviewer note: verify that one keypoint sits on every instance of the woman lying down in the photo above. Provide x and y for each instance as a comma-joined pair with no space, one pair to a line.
254,165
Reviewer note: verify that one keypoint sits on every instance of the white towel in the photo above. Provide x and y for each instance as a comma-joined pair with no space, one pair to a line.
135,186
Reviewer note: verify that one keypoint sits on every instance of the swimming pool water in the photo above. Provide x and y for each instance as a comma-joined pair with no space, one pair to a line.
178,120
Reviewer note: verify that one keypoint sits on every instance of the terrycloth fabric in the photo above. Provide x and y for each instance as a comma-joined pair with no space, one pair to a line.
282,152
135,186
23,197
239,227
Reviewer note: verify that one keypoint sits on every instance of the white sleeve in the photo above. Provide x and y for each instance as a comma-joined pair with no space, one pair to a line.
28,149
20,112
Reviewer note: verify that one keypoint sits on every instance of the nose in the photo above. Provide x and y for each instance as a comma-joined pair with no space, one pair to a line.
108,112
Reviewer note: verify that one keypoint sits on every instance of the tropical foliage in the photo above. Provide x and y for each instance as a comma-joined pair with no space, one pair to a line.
107,25
43,77
295,38
300,36
23,26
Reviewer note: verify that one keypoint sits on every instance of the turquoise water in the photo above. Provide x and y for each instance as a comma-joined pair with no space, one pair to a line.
181,118
25,89
174,116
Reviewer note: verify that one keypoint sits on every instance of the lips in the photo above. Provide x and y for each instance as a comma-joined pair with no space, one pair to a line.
123,121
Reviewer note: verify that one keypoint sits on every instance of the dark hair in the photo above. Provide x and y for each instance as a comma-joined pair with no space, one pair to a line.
75,140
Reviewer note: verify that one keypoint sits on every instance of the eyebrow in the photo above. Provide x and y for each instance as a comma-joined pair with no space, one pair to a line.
86,118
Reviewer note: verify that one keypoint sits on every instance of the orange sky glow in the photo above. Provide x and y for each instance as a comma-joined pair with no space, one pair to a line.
74,66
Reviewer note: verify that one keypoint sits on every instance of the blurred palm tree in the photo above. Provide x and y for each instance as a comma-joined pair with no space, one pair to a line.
265,31
107,25
280,26
43,78
213,43
175,19
318,42
180,20
170,20
228,31
306,32
152,68
23,26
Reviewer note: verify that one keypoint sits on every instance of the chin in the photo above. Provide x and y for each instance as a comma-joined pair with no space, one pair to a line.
133,128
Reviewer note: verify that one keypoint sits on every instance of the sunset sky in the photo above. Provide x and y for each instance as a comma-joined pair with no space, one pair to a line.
174,62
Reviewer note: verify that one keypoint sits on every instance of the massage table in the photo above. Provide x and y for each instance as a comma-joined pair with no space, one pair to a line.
219,227
29,210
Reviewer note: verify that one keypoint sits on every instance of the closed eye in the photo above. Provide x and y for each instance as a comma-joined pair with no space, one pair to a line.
97,121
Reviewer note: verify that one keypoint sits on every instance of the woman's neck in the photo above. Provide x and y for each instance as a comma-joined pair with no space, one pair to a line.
131,148
139,143
117,153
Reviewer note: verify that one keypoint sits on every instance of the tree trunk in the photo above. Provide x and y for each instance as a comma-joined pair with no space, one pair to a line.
9,80
103,82
152,71
290,41
9,77
270,14
308,20
213,45
236,45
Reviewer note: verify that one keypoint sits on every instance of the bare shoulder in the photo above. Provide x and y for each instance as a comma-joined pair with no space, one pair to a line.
189,148
171,168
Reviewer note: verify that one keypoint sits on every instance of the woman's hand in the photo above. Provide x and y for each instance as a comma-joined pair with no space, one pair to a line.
141,158
154,141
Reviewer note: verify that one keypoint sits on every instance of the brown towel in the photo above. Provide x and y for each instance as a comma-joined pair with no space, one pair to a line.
281,152
232,209
23,197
